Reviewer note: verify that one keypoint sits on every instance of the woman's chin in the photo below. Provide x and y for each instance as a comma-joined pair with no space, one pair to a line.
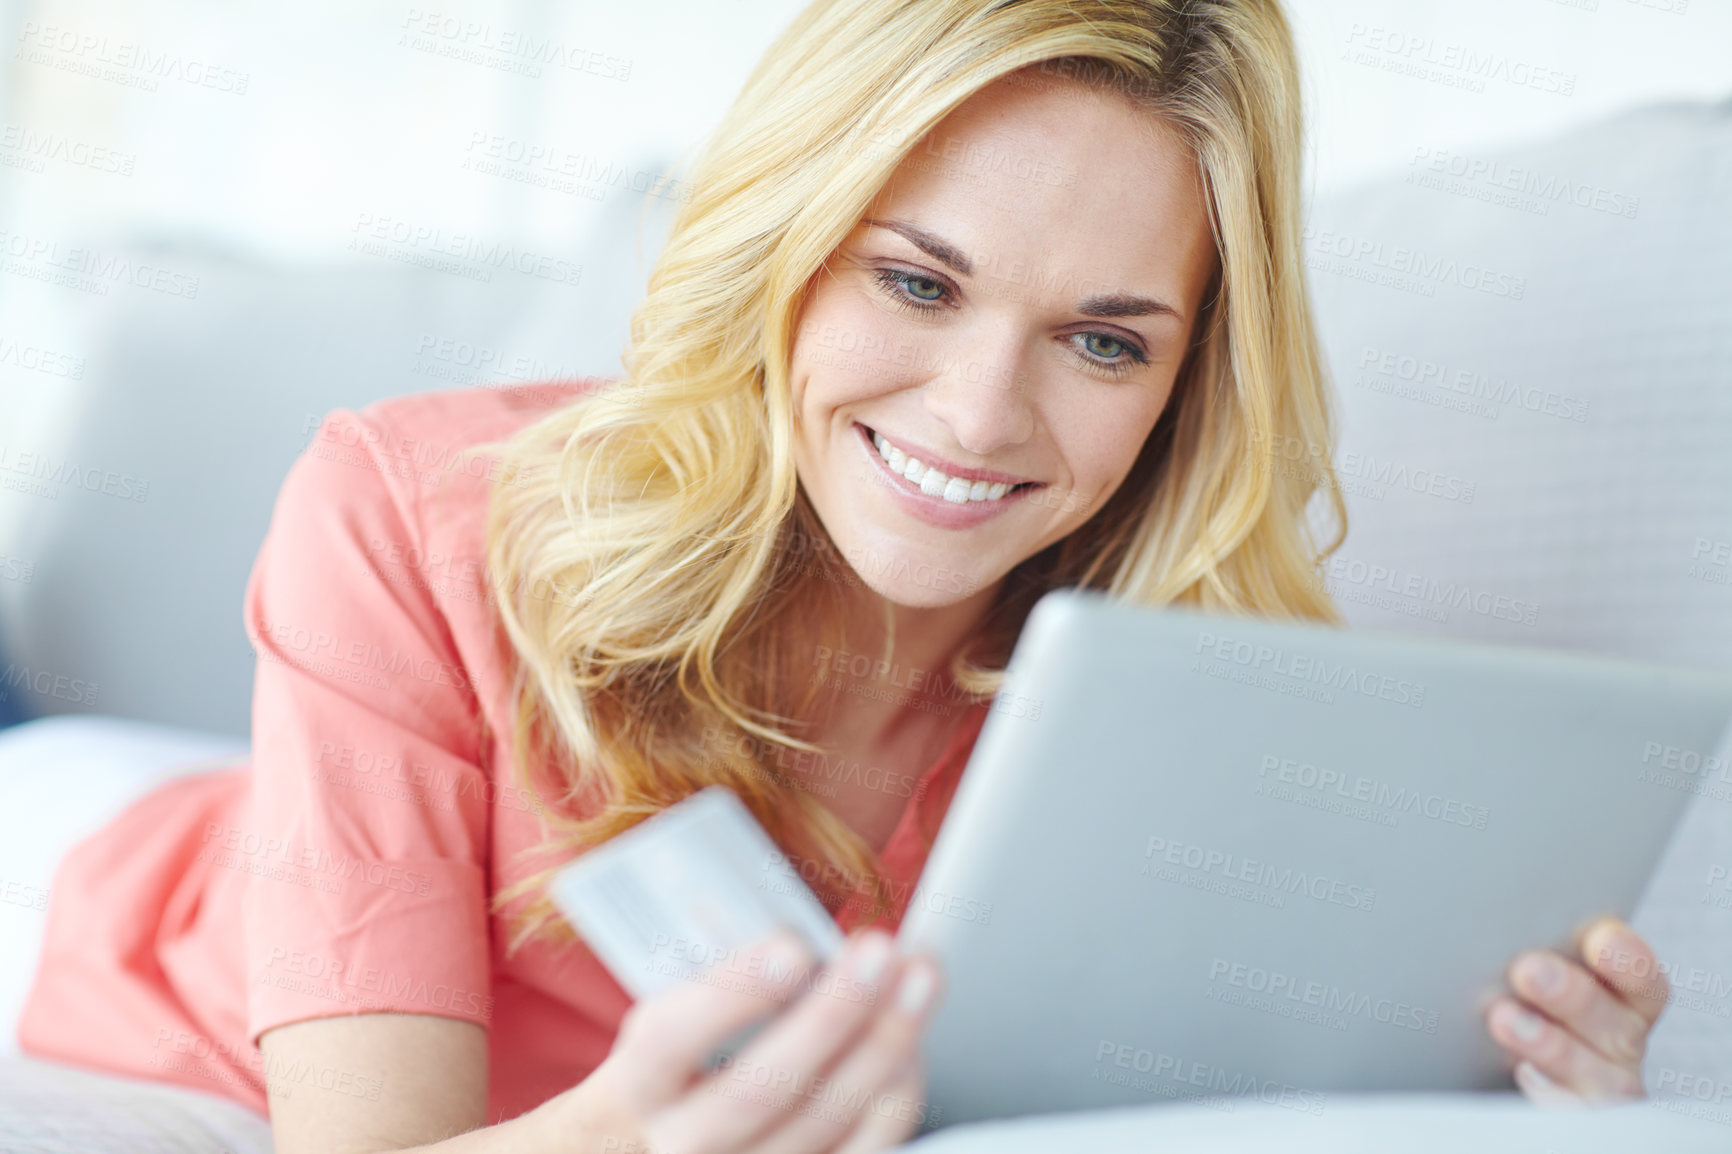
912,595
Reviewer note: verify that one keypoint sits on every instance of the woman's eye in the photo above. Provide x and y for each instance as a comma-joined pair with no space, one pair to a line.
926,290
1105,347
912,289
1109,353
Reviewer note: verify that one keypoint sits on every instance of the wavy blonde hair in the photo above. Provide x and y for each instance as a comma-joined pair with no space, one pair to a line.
649,548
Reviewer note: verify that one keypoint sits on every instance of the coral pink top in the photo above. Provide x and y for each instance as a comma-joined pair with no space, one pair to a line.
349,866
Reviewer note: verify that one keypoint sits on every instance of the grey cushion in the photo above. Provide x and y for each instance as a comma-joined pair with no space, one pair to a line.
1537,410
136,604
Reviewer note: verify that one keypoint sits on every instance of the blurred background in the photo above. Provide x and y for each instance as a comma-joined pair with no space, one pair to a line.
217,222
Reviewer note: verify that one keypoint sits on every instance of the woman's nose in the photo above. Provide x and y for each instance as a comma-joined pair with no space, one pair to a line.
985,396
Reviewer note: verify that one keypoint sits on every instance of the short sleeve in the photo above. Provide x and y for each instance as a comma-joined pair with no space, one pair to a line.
366,841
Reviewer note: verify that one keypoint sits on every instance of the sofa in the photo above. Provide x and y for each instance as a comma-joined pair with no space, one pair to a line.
1532,353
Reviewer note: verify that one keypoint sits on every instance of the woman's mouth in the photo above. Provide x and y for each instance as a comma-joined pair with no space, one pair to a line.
938,497
934,482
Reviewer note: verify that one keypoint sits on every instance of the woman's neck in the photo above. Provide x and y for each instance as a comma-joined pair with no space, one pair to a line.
869,699
892,713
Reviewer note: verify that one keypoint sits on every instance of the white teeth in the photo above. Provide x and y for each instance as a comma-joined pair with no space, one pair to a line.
897,458
934,483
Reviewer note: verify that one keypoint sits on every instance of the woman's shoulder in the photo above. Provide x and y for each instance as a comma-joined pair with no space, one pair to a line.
371,573
359,503
401,449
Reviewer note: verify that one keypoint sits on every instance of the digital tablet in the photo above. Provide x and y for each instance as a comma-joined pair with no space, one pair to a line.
1223,857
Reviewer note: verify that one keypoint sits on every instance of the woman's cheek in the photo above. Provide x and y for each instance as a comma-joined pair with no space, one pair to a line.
1101,456
863,350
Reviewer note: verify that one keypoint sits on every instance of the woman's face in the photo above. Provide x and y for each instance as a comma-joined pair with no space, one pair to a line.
980,362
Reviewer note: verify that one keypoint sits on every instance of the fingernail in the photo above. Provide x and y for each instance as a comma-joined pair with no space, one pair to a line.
1617,943
1526,1026
916,989
871,955
1544,973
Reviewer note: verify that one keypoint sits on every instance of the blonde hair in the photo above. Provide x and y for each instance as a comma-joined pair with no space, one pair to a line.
649,548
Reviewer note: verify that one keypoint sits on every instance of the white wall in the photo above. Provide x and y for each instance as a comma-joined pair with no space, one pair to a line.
281,132
1389,78
349,108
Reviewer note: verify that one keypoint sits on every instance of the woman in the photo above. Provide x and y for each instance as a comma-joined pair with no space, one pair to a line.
973,299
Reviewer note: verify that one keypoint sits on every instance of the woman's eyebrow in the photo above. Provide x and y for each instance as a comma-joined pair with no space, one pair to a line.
938,249
1105,305
1126,305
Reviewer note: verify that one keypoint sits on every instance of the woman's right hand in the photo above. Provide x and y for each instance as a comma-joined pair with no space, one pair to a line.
838,1070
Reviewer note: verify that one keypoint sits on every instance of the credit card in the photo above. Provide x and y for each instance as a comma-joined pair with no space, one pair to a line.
686,889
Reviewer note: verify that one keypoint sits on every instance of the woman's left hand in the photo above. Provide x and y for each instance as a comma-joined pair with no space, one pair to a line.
1579,1029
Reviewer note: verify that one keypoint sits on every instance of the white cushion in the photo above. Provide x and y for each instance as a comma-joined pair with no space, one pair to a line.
47,1108
61,778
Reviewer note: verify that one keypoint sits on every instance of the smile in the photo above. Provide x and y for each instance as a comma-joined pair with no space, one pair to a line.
934,482
955,499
